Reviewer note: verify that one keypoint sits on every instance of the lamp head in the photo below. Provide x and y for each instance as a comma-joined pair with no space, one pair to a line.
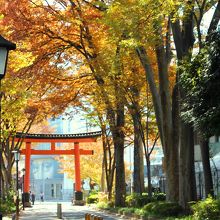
16,154
5,46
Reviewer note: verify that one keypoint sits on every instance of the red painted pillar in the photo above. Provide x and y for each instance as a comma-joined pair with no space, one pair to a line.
53,146
77,168
27,168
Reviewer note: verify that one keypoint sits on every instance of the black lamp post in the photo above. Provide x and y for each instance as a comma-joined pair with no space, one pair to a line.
5,46
23,174
17,158
23,171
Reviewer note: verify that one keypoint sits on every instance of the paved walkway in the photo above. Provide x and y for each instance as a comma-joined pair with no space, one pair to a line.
47,211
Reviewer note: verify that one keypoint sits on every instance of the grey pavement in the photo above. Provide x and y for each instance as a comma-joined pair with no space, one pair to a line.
48,211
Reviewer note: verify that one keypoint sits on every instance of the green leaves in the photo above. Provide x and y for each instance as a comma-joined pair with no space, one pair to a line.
201,81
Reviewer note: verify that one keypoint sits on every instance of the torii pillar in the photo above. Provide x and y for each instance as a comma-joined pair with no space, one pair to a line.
78,192
26,195
27,168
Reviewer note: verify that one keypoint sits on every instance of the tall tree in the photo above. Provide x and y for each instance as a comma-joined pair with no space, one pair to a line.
200,80
52,45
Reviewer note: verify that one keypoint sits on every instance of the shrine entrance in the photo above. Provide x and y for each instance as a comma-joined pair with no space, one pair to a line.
52,139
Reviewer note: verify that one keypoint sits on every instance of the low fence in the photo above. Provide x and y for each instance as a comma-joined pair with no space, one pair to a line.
200,183
162,184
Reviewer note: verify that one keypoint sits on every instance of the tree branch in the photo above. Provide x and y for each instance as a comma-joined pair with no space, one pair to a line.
215,19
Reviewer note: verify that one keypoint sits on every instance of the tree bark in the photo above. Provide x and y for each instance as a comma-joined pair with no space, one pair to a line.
204,146
142,54
149,186
162,107
1,174
184,40
170,150
134,109
118,137
215,19
108,159
138,156
187,185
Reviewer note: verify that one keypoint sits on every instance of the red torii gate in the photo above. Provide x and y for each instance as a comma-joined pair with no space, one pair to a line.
53,139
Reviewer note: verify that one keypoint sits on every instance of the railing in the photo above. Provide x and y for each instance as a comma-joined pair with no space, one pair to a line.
200,183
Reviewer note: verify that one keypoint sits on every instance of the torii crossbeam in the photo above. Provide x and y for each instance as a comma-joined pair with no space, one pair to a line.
53,139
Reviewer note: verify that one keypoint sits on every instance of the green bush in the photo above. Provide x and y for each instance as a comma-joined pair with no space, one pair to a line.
140,212
208,209
7,205
127,210
102,205
159,197
137,200
92,198
131,200
163,209
143,200
149,207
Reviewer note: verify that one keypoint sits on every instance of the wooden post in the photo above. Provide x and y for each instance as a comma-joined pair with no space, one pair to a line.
59,210
87,216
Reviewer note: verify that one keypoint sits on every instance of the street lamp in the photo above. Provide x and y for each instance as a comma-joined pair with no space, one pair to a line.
23,171
5,46
17,158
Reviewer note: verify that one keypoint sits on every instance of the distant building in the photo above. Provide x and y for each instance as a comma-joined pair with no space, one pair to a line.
156,166
158,176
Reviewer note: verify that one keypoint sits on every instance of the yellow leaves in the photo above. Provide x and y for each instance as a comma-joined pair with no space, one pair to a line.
19,60
130,43
134,20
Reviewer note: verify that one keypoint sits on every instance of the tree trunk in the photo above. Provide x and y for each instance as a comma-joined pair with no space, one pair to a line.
142,54
204,146
108,160
103,176
164,120
170,150
176,118
187,183
118,137
138,175
184,40
120,190
1,174
149,186
138,157
171,171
